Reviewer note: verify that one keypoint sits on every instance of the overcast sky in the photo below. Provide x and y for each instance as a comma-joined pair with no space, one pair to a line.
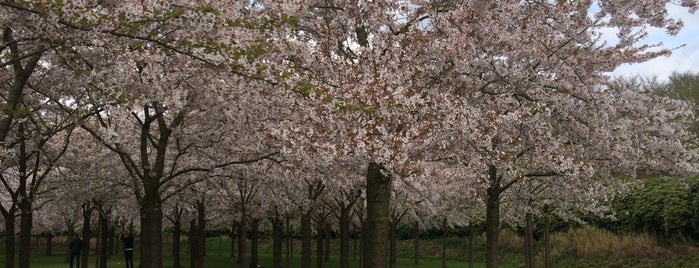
683,59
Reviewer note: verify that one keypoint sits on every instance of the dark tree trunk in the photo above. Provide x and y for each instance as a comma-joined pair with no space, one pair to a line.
416,243
242,240
445,229
326,235
289,246
306,240
254,241
111,243
392,241
492,218
378,200
151,230
193,244
319,246
21,76
25,232
363,242
344,237
547,239
529,253
86,234
277,237
201,233
9,239
49,244
103,245
232,235
470,246
176,245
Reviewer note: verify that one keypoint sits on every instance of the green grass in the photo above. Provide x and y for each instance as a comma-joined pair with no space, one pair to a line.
218,250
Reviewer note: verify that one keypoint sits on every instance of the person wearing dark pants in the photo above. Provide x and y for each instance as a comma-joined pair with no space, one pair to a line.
128,249
75,246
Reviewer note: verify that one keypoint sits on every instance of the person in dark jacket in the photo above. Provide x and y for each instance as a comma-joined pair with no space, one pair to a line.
75,247
128,249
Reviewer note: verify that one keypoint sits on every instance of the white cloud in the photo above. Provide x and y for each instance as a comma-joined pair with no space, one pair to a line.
684,58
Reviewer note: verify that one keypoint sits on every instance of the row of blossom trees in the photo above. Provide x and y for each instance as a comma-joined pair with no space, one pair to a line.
270,105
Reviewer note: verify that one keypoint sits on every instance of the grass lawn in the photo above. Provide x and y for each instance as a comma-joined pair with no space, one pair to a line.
217,256
215,261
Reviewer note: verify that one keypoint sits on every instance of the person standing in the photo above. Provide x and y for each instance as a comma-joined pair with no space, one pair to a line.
75,247
128,249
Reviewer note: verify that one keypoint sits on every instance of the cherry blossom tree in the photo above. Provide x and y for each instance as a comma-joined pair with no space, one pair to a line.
532,103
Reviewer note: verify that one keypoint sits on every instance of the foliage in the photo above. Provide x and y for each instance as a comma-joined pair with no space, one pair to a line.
661,205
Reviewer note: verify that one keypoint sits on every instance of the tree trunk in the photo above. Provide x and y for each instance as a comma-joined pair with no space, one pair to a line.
234,228
547,239
111,243
254,241
378,200
306,240
242,239
392,241
319,246
25,233
277,236
201,233
151,231
87,231
49,244
529,253
470,246
492,218
344,237
9,239
444,243
416,244
176,245
289,245
103,245
363,241
193,244
21,76
326,244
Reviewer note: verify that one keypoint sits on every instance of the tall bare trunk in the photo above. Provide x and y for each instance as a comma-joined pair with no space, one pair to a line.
254,241
529,254
242,239
201,233
232,236
344,237
444,243
547,239
392,241
86,234
326,243
319,246
151,231
103,236
492,218
378,200
416,243
277,236
25,233
470,246
9,240
193,244
306,240
176,243
289,245
49,244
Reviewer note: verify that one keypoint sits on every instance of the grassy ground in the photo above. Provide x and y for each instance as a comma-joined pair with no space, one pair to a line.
587,247
218,255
